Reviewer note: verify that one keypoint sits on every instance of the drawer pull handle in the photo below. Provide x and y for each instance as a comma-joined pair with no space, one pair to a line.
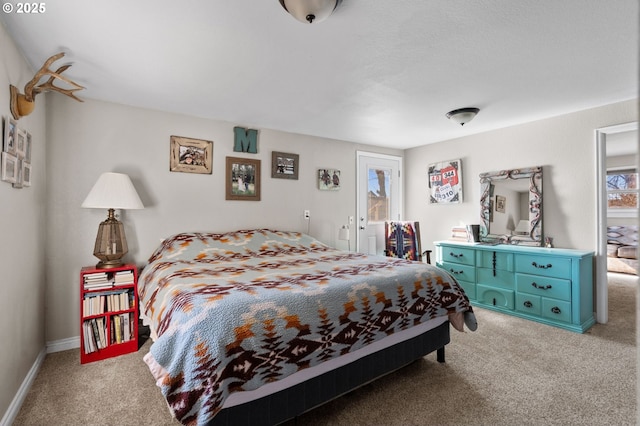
456,272
547,266
541,287
452,254
555,310
528,304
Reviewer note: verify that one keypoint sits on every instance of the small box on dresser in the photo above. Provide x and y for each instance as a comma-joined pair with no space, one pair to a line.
548,285
108,312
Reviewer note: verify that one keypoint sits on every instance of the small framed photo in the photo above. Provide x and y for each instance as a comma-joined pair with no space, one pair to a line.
21,143
242,179
328,179
284,165
10,130
9,167
500,203
19,183
27,149
191,155
26,173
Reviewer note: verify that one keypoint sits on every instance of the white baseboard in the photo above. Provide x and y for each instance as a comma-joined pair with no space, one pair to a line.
63,344
55,346
14,407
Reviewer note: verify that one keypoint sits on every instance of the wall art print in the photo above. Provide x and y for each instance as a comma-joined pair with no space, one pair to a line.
191,155
328,179
284,165
243,179
445,182
16,154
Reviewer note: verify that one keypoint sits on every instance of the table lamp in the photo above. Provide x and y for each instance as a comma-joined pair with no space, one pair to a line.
523,227
112,191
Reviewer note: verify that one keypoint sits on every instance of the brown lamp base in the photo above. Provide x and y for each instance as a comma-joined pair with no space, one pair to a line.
109,264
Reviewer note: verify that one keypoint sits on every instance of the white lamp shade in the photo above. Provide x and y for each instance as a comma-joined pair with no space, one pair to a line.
113,191
302,10
523,227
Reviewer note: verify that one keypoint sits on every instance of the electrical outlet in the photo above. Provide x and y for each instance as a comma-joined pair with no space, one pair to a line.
307,214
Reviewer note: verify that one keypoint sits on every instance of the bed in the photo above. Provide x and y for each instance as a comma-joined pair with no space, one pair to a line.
258,326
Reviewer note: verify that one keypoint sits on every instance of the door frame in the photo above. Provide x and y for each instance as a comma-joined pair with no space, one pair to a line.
400,159
602,287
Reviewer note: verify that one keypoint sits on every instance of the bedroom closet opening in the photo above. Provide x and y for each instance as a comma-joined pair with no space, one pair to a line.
617,223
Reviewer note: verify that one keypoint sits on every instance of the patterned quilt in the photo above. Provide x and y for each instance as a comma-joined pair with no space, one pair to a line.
233,311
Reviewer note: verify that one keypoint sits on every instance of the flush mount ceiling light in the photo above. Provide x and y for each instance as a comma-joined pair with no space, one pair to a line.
463,115
310,10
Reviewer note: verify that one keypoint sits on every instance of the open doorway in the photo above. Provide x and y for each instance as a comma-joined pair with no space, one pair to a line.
617,147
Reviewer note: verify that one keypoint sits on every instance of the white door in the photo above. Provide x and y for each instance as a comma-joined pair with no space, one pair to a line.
379,198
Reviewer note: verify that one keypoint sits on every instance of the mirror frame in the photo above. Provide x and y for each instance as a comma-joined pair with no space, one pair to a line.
534,237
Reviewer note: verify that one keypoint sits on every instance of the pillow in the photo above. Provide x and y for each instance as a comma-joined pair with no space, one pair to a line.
191,245
628,252
612,250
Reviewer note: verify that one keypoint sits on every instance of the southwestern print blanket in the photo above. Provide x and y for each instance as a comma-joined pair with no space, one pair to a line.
233,311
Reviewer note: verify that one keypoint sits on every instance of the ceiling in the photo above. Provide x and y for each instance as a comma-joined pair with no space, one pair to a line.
377,72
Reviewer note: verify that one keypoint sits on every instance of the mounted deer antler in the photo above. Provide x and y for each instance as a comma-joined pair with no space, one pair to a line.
23,104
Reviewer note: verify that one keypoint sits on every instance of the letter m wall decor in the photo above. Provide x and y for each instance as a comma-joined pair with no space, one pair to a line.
246,140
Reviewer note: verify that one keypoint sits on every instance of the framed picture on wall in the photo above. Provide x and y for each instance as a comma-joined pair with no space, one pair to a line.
21,143
27,149
284,165
242,179
9,167
19,171
191,155
500,203
328,179
9,139
26,173
445,182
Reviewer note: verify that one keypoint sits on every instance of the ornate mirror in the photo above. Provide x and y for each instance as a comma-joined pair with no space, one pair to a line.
511,206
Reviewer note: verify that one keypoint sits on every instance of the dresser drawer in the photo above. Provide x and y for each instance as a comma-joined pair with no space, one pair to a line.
463,256
494,296
490,259
497,278
528,303
548,266
460,272
556,310
469,289
544,286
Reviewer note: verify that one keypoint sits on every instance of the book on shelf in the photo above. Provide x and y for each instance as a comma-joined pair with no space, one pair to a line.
126,328
89,342
117,320
123,277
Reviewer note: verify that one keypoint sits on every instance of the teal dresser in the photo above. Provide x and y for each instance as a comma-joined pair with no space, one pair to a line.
551,286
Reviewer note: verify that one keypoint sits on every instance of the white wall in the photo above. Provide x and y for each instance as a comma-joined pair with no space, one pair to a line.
89,138
563,145
22,232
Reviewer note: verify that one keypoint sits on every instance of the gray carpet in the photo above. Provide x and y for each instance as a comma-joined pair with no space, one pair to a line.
509,372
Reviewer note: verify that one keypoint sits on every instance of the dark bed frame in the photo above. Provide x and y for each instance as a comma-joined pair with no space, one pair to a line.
292,402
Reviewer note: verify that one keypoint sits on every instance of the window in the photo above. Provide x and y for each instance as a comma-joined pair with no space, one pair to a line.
622,193
378,190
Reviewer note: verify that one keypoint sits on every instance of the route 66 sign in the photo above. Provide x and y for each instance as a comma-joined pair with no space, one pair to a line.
445,182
